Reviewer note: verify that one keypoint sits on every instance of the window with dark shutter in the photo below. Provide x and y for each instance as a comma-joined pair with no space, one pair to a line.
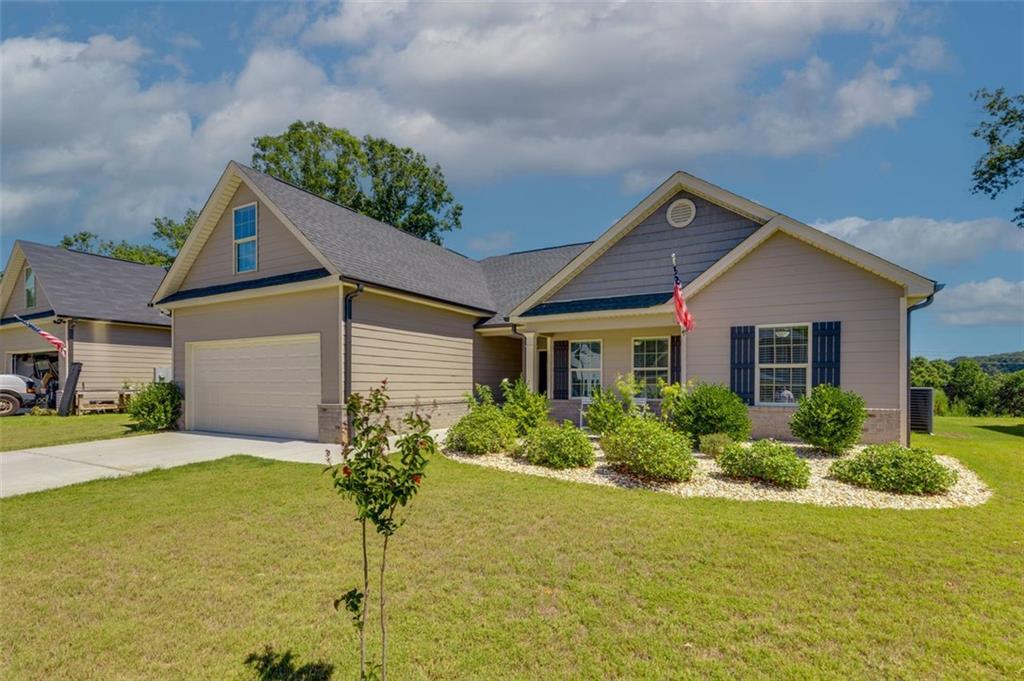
741,374
560,368
825,355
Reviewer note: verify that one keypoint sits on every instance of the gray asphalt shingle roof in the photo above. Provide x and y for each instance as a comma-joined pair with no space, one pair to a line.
94,286
377,253
513,277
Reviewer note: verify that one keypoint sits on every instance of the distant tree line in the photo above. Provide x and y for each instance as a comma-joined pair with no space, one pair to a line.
963,388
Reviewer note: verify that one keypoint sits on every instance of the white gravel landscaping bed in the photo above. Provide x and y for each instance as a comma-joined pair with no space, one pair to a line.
708,481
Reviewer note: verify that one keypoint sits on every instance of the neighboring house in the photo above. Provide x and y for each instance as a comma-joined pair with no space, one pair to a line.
99,306
284,303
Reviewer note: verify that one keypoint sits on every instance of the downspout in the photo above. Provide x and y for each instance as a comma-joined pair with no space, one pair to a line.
522,353
346,390
917,306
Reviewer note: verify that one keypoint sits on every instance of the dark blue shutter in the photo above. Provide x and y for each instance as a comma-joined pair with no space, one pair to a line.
825,337
741,374
675,360
561,369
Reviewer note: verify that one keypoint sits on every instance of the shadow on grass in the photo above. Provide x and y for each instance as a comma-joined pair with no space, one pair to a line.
1017,430
271,665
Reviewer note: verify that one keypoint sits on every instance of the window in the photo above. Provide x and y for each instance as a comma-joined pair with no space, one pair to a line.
245,239
650,363
584,368
30,287
782,363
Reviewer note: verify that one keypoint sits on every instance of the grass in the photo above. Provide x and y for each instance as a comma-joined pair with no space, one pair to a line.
27,432
184,573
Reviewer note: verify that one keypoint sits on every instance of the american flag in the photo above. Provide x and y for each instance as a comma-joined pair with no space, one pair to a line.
49,337
683,316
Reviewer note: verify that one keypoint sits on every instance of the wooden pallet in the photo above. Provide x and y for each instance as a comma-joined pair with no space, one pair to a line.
93,401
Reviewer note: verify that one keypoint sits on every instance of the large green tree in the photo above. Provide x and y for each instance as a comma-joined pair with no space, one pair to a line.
168,236
1002,164
393,184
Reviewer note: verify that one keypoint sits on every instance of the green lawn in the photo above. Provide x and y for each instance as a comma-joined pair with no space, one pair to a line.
25,432
184,573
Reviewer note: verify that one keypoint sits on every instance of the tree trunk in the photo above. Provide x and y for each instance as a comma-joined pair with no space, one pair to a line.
383,616
366,605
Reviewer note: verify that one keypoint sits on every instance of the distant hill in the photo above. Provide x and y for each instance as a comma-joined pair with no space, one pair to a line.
1003,363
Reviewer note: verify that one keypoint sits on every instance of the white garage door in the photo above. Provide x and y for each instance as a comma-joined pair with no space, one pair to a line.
255,386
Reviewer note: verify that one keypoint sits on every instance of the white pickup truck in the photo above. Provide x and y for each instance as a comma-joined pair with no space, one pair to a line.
16,392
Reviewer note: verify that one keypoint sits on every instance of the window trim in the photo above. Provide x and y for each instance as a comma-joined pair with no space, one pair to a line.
34,289
757,362
600,368
668,356
255,237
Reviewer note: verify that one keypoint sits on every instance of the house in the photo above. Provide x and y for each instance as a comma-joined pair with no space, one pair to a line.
283,304
99,306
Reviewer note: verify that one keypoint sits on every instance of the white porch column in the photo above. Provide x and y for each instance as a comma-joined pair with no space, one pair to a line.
530,359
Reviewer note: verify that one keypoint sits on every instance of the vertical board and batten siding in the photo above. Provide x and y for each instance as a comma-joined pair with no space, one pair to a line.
640,262
426,353
496,358
315,311
278,251
16,304
787,281
115,354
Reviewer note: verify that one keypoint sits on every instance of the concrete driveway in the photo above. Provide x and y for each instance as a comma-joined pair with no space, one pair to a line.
32,470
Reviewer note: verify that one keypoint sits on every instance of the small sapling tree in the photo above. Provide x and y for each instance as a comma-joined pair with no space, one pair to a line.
378,483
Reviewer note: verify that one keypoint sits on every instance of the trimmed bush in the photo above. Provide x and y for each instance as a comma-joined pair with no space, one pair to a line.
484,430
766,460
706,408
829,418
156,406
714,444
558,447
605,412
895,468
647,448
528,409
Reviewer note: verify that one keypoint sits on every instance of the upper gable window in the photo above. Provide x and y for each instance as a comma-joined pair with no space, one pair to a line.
30,287
245,239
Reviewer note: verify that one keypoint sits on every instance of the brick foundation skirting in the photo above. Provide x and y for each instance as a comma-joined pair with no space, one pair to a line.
331,417
882,425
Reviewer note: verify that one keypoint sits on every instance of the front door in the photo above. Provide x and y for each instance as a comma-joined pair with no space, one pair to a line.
542,372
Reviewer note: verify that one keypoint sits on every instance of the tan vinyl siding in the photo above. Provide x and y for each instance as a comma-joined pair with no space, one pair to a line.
279,252
641,262
787,281
314,311
425,353
15,338
16,304
495,358
115,354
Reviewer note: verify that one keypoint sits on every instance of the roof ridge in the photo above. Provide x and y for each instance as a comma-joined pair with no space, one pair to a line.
80,252
352,210
536,250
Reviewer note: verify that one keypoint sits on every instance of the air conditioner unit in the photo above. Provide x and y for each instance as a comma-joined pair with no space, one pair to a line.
922,407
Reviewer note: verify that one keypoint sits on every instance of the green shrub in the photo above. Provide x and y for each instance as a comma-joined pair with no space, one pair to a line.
766,460
647,448
42,411
483,430
705,408
564,446
714,444
940,404
1010,394
156,406
829,418
894,468
605,411
528,409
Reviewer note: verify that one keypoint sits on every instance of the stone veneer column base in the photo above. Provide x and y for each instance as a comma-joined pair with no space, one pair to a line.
882,425
441,414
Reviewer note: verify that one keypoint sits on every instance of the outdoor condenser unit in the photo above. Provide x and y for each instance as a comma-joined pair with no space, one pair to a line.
922,406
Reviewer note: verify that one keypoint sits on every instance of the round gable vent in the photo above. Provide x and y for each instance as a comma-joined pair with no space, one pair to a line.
681,212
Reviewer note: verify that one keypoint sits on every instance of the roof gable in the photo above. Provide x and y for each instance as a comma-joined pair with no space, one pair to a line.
89,286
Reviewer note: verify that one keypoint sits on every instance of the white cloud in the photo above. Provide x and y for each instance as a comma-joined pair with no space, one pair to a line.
993,301
482,89
491,243
919,243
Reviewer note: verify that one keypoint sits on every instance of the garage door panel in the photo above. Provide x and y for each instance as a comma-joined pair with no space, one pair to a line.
259,386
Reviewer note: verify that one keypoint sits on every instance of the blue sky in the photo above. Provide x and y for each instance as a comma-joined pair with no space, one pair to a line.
551,121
